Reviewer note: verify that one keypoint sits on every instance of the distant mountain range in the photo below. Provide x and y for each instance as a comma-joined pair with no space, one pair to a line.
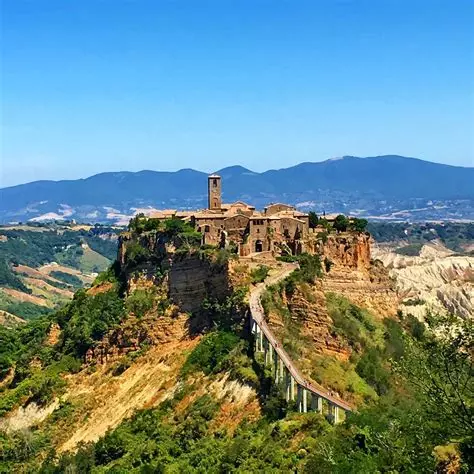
386,187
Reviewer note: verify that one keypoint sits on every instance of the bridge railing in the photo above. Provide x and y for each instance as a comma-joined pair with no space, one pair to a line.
296,386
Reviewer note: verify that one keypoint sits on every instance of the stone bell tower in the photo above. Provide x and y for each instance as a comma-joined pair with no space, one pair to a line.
214,192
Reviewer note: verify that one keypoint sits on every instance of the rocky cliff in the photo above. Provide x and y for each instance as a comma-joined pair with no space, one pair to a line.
190,277
193,279
349,249
350,271
308,306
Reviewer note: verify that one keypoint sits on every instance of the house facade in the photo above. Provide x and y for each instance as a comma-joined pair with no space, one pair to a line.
279,227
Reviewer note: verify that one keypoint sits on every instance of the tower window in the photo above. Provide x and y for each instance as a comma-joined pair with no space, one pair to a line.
214,183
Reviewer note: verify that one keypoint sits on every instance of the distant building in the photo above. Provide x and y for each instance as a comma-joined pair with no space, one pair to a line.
280,227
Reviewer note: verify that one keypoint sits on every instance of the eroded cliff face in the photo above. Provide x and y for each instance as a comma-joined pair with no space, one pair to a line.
308,306
353,274
349,250
190,278
436,280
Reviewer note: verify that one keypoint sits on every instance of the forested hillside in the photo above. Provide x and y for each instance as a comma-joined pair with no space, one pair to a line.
41,266
122,380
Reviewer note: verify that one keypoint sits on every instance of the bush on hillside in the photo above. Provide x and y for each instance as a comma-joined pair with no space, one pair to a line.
211,352
87,319
259,274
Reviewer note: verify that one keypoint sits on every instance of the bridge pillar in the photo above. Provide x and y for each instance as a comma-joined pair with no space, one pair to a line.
334,413
292,387
252,325
270,351
316,403
299,397
260,337
281,368
287,385
275,368
305,400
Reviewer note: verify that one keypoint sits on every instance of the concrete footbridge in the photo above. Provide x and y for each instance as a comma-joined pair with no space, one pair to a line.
308,397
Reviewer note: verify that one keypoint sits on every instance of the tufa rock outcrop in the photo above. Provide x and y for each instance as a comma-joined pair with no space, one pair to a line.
190,277
351,272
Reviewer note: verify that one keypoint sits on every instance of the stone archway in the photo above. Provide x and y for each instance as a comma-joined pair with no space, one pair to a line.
258,246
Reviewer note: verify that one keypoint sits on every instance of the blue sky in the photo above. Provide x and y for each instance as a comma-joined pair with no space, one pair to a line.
107,85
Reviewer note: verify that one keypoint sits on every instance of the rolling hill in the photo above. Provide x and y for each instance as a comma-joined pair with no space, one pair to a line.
387,187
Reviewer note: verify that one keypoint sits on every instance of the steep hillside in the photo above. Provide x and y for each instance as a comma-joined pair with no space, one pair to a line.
144,372
437,279
385,186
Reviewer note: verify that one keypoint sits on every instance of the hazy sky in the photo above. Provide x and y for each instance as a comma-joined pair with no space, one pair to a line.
107,85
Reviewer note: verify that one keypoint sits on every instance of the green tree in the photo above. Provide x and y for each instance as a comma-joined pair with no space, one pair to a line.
341,223
439,368
313,219
359,225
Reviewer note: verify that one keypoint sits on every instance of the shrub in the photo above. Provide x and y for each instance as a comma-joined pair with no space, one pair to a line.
327,264
371,368
259,274
140,302
359,225
136,253
209,355
323,236
87,319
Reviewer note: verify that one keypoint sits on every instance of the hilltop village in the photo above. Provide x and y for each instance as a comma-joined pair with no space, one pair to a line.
279,226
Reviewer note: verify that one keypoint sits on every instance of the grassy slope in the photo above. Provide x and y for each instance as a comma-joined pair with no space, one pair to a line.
357,328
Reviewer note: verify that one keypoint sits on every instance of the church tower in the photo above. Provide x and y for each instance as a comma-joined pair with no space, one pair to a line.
214,192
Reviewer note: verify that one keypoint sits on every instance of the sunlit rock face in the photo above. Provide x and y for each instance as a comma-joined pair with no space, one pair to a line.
437,279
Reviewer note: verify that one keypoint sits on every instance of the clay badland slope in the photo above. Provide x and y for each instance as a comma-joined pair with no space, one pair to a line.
437,279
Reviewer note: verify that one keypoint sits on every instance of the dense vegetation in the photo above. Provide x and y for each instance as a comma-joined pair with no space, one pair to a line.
259,274
341,223
35,248
426,405
38,365
414,391
68,278
453,234
8,279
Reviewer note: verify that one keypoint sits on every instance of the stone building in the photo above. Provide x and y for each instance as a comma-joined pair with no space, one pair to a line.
279,227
